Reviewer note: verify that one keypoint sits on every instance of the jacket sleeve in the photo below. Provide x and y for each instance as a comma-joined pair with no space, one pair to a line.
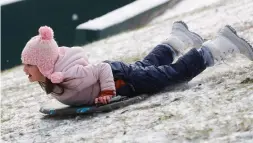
90,74
105,76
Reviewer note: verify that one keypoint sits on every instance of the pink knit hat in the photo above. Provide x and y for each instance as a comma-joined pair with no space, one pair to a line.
42,51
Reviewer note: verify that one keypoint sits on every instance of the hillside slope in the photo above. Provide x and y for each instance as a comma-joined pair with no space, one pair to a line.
216,106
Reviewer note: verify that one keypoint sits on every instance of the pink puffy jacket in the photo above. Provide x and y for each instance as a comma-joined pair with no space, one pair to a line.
82,81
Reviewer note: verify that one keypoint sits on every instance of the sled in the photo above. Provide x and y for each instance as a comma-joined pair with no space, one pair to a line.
59,109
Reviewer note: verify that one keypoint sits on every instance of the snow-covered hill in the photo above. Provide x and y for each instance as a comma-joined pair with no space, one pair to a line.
216,106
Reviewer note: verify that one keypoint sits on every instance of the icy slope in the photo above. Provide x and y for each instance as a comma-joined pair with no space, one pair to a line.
215,107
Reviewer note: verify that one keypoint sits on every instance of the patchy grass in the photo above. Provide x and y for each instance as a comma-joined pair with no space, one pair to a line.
247,81
165,117
195,134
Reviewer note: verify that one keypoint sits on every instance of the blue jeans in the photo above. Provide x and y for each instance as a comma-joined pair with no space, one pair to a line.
156,71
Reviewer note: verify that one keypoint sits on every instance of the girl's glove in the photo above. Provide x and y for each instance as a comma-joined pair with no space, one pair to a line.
105,97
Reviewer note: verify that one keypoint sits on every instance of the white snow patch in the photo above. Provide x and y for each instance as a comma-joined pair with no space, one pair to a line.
184,7
121,14
5,2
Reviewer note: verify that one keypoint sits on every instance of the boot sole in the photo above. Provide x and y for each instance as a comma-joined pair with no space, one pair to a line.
185,25
248,46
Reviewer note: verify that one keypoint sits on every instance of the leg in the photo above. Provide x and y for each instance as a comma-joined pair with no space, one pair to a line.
153,79
179,39
162,54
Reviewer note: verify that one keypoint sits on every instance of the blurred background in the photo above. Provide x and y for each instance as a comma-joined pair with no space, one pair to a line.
75,22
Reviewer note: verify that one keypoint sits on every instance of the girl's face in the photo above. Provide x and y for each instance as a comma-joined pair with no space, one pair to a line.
33,73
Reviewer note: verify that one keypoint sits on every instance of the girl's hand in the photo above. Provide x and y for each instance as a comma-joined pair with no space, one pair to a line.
105,97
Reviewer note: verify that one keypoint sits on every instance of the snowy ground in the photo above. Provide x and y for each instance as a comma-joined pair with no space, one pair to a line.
5,2
215,107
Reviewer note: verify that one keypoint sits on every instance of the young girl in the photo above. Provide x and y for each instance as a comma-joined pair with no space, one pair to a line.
70,78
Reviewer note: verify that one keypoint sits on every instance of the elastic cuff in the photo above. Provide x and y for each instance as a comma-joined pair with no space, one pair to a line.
207,56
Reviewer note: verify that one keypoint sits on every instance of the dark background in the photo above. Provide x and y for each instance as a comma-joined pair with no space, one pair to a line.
21,20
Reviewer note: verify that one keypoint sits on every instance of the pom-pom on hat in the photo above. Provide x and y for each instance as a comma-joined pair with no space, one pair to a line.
42,51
